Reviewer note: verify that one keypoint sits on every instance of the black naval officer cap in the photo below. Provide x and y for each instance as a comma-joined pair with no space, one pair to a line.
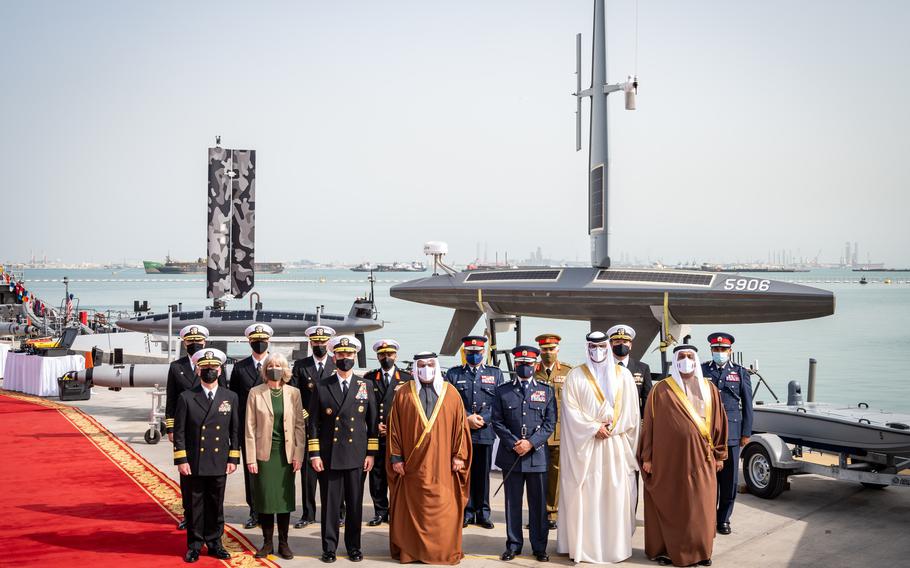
474,342
525,354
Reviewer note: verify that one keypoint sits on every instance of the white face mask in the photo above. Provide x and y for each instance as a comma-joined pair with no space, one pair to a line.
598,354
425,374
685,366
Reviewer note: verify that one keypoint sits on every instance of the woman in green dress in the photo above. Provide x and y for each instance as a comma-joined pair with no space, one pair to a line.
275,440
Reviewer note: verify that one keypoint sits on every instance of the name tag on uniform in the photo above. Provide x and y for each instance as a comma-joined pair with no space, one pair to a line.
559,380
362,392
488,379
733,377
225,407
539,396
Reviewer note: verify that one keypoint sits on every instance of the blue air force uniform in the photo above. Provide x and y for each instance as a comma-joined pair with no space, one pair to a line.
477,387
735,387
524,409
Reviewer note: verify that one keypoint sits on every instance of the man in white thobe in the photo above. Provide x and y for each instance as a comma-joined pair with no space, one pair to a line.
600,426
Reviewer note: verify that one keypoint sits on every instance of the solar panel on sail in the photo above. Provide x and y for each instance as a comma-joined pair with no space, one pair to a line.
655,277
512,275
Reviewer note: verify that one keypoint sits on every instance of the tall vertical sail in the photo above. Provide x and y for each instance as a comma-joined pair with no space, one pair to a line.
219,227
231,222
243,221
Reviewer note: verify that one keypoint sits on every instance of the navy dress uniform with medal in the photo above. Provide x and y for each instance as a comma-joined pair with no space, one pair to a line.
342,434
386,381
244,376
524,417
207,442
621,337
304,375
735,387
477,383
181,376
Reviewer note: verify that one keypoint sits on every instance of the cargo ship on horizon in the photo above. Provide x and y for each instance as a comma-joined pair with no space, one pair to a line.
170,266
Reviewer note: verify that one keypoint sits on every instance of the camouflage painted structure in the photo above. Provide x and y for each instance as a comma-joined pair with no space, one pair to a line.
231,222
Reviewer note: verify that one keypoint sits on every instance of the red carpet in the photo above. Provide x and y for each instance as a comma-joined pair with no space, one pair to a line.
73,494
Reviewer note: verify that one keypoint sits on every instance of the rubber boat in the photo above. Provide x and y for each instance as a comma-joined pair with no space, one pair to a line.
853,429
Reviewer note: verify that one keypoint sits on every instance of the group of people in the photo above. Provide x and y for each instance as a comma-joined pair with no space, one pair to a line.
575,440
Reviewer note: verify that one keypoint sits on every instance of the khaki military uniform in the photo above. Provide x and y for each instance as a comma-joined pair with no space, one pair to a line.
556,380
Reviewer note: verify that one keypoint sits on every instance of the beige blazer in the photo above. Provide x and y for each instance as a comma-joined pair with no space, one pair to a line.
260,421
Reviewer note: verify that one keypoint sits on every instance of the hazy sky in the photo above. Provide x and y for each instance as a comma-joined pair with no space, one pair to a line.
380,125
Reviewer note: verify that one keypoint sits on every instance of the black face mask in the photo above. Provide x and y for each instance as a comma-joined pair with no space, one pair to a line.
209,375
275,373
621,350
524,371
259,347
192,348
344,364
319,351
386,364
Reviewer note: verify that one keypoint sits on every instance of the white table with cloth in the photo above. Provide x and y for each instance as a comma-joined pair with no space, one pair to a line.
33,374
4,349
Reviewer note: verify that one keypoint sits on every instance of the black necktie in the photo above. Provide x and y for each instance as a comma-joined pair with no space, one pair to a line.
524,387
621,364
211,397
387,379
319,369
548,372
258,368
344,388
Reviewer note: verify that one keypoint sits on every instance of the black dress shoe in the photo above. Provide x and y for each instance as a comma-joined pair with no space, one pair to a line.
551,525
724,528
507,555
375,521
664,561
486,524
385,519
355,556
302,523
251,523
328,557
542,556
219,552
705,562
191,556
181,526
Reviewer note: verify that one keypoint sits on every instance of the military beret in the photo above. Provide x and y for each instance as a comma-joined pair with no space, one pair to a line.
386,346
258,331
209,358
621,331
319,332
194,333
525,354
344,344
474,342
720,339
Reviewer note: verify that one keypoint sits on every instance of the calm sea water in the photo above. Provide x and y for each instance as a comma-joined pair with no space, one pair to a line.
863,350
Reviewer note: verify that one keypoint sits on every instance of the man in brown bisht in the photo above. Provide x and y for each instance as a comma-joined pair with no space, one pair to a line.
428,460
683,446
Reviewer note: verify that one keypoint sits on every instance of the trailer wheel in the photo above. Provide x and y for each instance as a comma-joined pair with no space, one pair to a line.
152,436
761,477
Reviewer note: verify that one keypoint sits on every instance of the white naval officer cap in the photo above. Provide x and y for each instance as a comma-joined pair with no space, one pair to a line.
209,358
344,344
621,331
258,331
319,332
194,333
386,346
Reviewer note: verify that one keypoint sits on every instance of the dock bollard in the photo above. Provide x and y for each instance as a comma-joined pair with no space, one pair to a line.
811,396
